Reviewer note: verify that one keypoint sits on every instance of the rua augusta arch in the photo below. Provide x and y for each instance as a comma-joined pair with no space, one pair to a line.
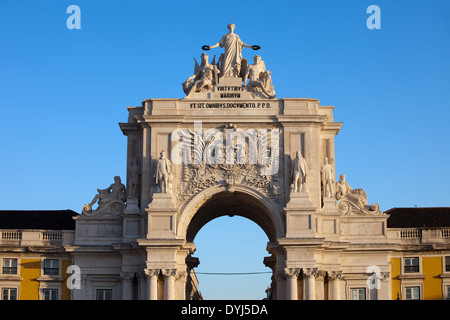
230,146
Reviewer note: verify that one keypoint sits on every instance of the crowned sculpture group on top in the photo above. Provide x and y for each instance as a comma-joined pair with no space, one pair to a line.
230,66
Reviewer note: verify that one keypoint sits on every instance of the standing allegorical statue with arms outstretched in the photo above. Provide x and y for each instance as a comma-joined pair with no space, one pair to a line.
231,64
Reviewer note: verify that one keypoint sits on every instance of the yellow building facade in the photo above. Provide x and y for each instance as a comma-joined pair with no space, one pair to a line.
33,261
30,280
431,282
420,265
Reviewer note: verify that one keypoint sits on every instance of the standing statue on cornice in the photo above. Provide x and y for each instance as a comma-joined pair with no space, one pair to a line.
231,63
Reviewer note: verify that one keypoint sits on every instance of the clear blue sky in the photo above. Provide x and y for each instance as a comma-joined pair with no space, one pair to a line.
63,92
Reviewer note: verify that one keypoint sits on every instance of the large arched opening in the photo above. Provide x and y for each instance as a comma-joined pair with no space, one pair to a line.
231,251
244,202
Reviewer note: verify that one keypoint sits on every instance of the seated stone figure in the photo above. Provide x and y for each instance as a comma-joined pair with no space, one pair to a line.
259,79
353,201
116,192
205,78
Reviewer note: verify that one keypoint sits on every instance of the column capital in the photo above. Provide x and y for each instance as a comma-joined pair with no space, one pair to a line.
127,276
334,275
181,275
310,272
385,275
320,275
151,272
291,272
169,272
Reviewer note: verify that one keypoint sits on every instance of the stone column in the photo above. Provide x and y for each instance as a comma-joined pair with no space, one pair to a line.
169,282
310,283
127,285
320,285
335,285
142,285
152,283
291,278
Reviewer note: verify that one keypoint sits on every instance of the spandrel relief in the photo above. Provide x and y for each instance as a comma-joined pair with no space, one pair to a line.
227,156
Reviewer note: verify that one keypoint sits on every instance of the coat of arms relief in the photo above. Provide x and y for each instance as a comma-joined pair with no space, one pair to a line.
228,156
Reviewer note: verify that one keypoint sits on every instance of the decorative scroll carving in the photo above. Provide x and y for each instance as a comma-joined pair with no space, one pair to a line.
169,272
334,275
152,272
310,272
111,201
354,201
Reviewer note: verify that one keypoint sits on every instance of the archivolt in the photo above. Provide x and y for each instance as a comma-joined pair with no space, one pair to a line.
242,201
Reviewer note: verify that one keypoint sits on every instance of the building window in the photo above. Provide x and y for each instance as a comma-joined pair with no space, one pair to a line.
9,266
104,294
411,265
51,267
9,294
447,264
50,294
358,293
412,293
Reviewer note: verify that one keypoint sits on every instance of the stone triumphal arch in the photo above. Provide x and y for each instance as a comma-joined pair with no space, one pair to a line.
230,146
